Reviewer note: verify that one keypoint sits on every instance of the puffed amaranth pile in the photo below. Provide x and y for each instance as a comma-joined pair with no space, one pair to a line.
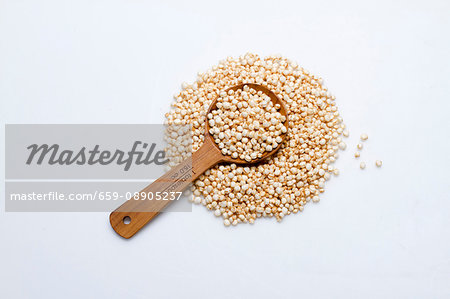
297,173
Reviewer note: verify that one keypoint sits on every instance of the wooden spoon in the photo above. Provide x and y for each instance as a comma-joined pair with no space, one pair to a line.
131,216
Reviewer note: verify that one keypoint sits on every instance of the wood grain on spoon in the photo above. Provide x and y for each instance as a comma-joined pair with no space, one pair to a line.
139,212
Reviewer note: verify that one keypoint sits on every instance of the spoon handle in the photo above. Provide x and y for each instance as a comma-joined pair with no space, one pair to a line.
134,214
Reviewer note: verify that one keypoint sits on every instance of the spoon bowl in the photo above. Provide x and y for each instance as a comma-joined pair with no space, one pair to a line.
275,100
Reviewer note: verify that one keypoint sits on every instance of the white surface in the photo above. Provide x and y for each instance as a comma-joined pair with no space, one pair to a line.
375,233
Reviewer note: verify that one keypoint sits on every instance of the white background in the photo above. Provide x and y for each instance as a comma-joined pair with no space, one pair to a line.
377,233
